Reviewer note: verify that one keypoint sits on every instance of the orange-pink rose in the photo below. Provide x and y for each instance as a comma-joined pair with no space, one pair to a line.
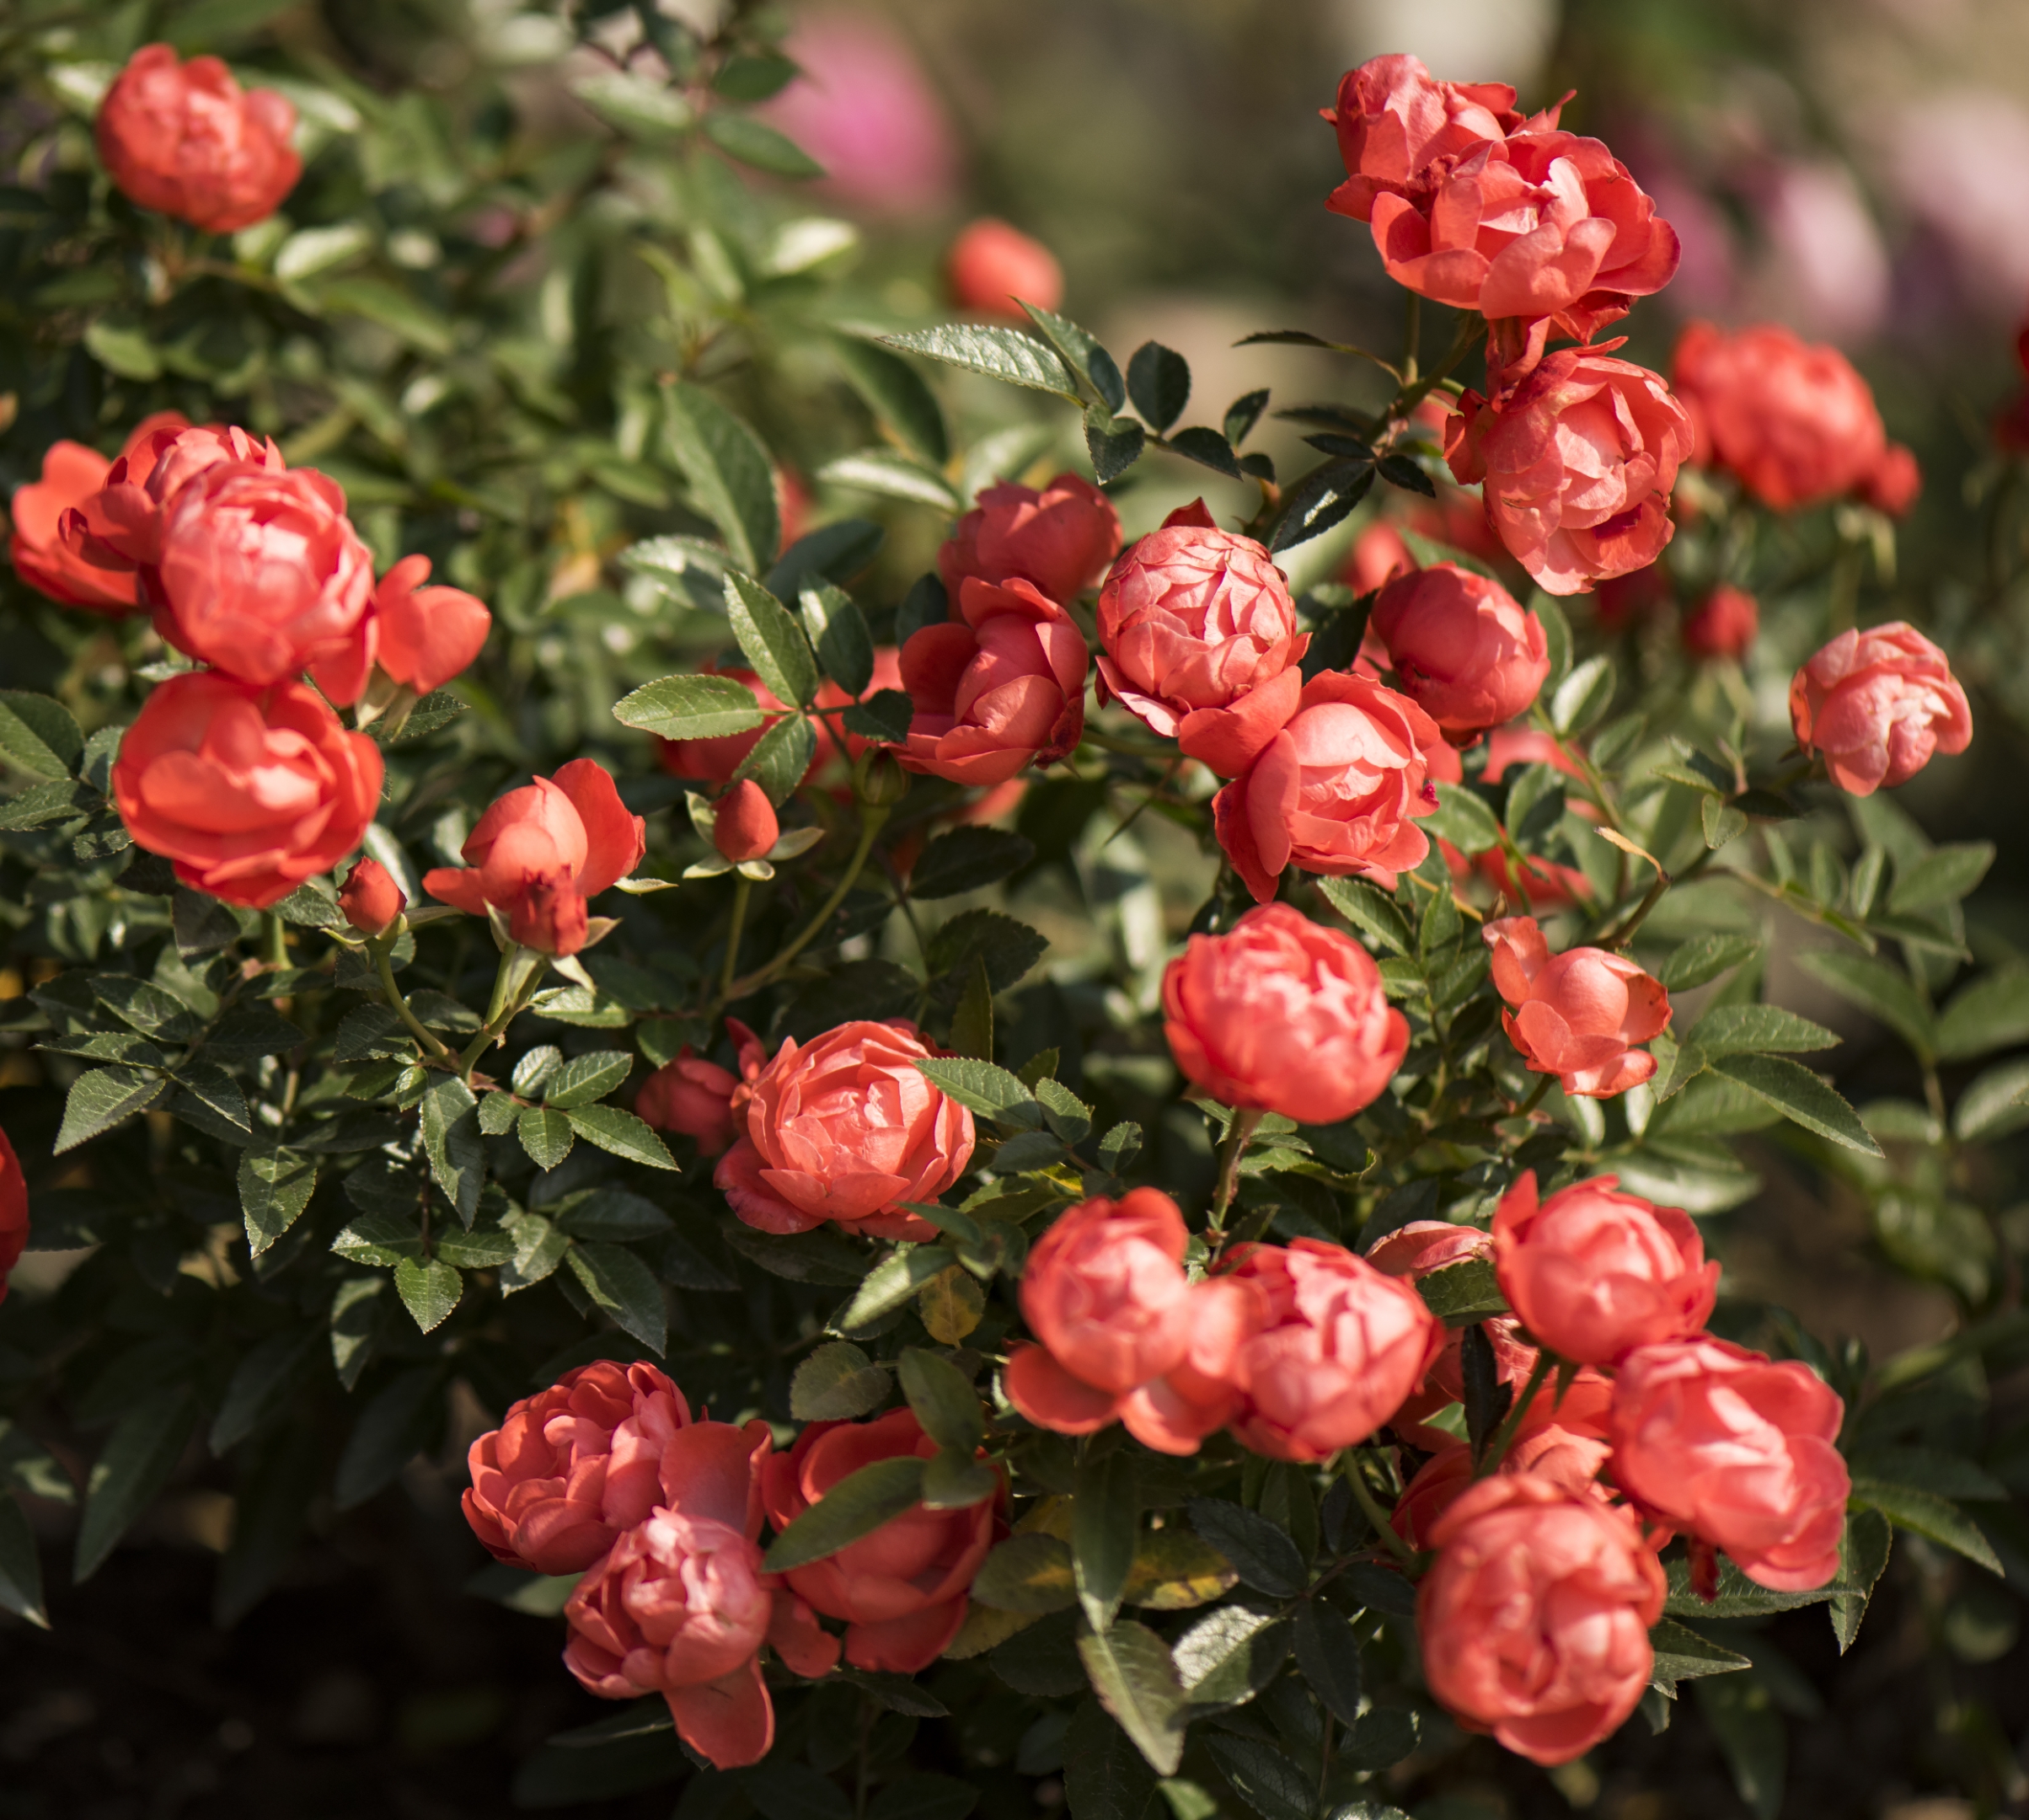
993,269
420,637
1578,1014
1723,625
1060,539
1462,647
1878,703
72,477
1558,1455
1280,1014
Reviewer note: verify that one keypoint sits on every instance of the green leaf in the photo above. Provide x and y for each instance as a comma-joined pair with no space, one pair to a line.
954,1480
1208,449
621,1133
728,471
895,392
1464,819
624,1289
545,1135
1800,1095
832,553
893,1281
885,714
1883,991
1460,1295
1262,1554
275,1184
755,142
1231,1653
430,1290
985,1088
635,105
772,641
691,708
781,759
392,1430
835,1383
1863,1559
1986,1013
893,474
101,1098
816,1257
1028,1573
1751,1737
944,1399
1740,1029
221,1107
1705,957
609,1213
972,1022
857,1506
477,1250
1682,1655
1369,908
1114,443
1320,500
1943,875
538,1249
1105,1778
838,633
451,1141
1924,1513
1159,381
587,1078
20,1567
1328,1651
1136,1681
1011,948
1105,1523
124,350
1263,1777
968,859
1174,1570
924,1796
783,1789
1583,696
1993,1104
533,1595
997,353
133,1466
394,309
61,799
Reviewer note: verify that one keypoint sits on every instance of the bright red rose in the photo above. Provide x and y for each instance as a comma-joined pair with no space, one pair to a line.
258,574
1577,467
1473,206
1061,539
1534,1621
1462,647
841,1128
901,1590
1200,638
1280,1014
13,1212
1720,1442
1593,1273
1339,1348
249,791
681,1608
371,900
421,637
1578,1015
71,476
1000,689
571,1468
1793,420
745,826
1336,791
185,139
1878,703
539,852
992,265
1723,625
1569,1461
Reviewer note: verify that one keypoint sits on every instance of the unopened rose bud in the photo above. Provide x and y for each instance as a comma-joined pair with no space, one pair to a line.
369,899
991,264
744,827
881,782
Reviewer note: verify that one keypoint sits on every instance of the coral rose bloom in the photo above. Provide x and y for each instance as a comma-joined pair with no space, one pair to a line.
1282,1015
901,1589
72,476
1577,1015
1200,638
1577,467
370,899
1723,625
1593,1273
1557,1455
841,1128
249,791
420,637
1339,1348
1336,791
13,1211
1534,1621
991,265
1462,647
1738,1451
1060,539
185,139
1877,704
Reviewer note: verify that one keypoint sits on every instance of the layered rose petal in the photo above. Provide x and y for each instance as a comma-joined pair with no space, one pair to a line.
1059,540
1578,1015
73,477
1878,705
1461,647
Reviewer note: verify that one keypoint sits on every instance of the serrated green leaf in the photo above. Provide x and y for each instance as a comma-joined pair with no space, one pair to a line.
892,1282
624,1289
893,474
1159,381
837,631
1943,875
727,470
943,1399
133,1466
1682,1655
1987,1013
1924,1513
1464,819
837,1382
896,394
101,1098
985,1088
1800,1095
857,1506
1883,991
772,640
621,1133
275,1184
781,759
585,1078
1369,908
1136,1681
691,708
1028,1573
430,1290
451,1141
1703,958
1460,1295
998,353
1738,1030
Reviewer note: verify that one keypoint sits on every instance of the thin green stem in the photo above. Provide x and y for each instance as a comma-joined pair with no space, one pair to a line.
1504,1435
742,890
1363,1496
1114,742
1535,1097
1469,330
275,939
1620,937
381,948
872,817
500,1013
1232,1148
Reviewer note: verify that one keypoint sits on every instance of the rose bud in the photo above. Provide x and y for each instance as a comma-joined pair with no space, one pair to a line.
1472,206
260,574
1280,1014
1577,467
744,826
1894,483
184,139
1200,638
572,1467
992,265
13,1212
713,761
1379,556
1723,625
681,1606
1577,1015
371,900
71,476
1793,421
421,637
1336,791
901,1589
841,1128
1593,1273
1000,689
691,1096
1061,539
1461,646
1736,1451
1534,1621
539,852
1555,1455
1339,1349
1877,704
249,791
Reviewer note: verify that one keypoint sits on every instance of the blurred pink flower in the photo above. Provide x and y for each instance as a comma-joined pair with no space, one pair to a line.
1826,272
1955,159
864,110
1706,276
